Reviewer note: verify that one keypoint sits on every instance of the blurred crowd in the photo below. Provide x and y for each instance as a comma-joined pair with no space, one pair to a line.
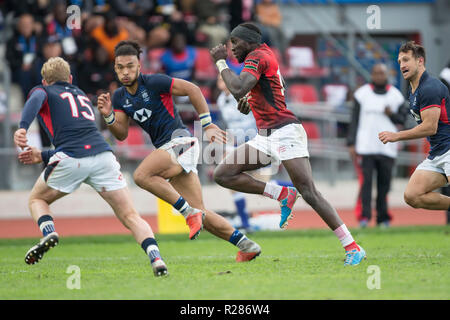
85,35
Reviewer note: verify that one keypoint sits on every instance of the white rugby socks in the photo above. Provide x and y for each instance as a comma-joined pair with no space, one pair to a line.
272,190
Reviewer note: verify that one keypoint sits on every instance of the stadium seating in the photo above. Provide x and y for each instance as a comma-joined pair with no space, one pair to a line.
284,68
153,64
303,63
304,93
301,57
312,130
335,94
135,141
206,91
204,67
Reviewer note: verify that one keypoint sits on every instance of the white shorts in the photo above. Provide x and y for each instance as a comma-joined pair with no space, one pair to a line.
439,164
185,151
100,171
286,143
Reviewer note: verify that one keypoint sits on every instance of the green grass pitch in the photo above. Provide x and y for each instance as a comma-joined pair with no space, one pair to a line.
414,263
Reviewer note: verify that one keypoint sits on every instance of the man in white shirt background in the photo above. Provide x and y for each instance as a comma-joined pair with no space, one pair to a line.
377,108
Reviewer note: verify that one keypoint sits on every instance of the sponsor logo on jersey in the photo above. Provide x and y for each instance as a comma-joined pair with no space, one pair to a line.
142,115
127,104
145,96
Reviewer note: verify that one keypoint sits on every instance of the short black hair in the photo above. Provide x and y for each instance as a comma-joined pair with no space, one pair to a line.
251,26
417,50
127,48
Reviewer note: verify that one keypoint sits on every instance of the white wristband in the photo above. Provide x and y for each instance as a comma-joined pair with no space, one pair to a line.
110,119
221,65
205,119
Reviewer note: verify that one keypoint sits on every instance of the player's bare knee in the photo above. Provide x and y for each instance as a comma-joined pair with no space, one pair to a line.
137,177
32,201
130,219
141,178
219,179
413,200
220,176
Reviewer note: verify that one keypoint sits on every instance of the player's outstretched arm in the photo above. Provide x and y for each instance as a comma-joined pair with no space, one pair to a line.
117,121
182,87
239,85
428,127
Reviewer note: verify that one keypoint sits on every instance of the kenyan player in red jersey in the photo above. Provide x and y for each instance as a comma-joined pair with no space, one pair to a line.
281,138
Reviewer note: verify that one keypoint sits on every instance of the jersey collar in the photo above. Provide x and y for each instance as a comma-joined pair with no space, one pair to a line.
424,77
62,82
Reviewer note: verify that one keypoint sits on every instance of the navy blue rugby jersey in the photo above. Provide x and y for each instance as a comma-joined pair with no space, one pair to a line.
152,108
67,116
431,92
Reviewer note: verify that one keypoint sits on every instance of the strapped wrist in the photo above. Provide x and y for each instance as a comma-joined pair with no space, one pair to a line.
111,118
221,65
205,119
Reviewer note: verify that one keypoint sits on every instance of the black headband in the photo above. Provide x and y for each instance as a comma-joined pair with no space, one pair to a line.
246,34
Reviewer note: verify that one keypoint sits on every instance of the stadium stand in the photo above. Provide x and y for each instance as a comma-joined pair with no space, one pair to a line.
303,63
204,66
284,68
134,147
320,78
335,94
153,60
305,93
312,130
206,91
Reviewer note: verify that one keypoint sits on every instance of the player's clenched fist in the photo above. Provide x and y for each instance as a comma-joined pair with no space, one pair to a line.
31,155
20,138
387,136
104,104
244,106
219,52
